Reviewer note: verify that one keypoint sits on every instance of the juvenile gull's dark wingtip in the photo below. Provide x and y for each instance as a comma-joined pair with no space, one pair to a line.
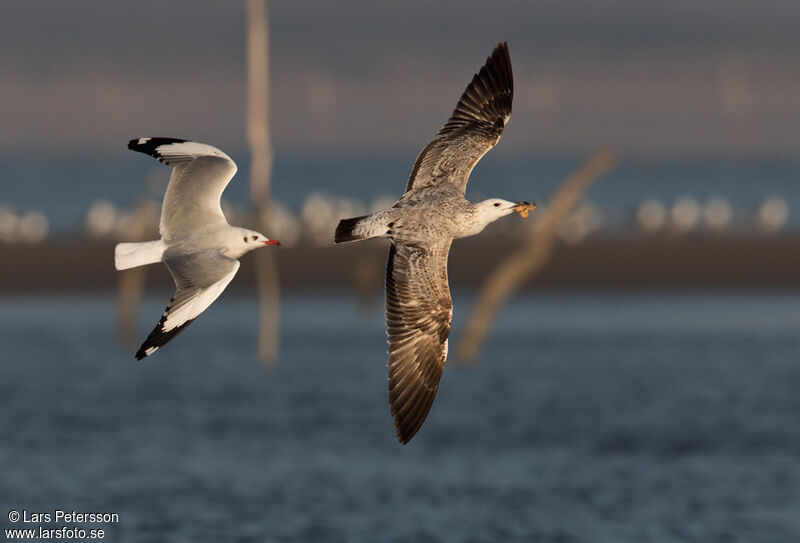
485,105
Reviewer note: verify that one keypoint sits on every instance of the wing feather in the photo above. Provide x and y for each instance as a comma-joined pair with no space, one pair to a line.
200,279
473,128
200,174
418,316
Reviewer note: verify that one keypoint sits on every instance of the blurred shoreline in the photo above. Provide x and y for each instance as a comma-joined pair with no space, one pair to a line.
600,261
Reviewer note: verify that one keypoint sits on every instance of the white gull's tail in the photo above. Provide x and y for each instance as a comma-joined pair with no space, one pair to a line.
131,255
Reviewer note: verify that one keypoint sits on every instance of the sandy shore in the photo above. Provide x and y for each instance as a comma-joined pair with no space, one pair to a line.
599,262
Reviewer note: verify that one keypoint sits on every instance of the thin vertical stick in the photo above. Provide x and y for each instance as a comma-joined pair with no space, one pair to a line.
129,294
258,138
131,283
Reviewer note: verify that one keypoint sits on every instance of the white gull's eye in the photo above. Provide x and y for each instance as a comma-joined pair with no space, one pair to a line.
497,204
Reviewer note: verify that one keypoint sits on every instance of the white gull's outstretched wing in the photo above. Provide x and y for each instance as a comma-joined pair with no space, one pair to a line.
200,278
200,173
473,128
418,316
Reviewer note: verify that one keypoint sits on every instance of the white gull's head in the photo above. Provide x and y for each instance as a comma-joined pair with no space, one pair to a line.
247,240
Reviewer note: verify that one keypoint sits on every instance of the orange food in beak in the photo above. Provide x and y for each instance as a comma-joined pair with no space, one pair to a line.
524,209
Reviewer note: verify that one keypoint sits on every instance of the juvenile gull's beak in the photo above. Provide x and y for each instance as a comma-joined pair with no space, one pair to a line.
523,208
272,242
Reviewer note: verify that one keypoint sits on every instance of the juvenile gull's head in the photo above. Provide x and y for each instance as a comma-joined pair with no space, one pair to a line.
494,208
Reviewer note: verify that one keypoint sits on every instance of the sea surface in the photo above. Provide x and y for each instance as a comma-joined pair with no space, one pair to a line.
588,417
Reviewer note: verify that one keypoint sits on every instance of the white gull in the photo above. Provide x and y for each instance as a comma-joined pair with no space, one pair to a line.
198,246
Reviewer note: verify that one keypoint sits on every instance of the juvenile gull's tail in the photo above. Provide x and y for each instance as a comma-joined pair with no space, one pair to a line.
353,229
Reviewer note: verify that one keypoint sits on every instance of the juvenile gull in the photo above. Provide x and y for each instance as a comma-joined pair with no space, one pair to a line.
421,226
198,246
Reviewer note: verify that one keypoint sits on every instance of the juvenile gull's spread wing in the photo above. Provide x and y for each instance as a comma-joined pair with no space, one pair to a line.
418,316
473,128
200,278
200,173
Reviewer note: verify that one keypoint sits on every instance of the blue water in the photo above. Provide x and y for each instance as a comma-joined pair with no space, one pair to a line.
588,417
72,183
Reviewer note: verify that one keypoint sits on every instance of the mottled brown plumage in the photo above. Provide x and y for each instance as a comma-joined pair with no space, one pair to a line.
421,226
418,305
418,316
473,128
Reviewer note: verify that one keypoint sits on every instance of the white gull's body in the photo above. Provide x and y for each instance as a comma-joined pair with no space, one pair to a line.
421,226
198,246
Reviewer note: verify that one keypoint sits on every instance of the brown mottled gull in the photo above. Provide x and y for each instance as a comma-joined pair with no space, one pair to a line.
421,226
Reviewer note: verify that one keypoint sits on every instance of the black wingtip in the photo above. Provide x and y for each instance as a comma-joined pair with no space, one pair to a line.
403,434
500,63
148,146
500,50
406,425
408,420
158,338
486,102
